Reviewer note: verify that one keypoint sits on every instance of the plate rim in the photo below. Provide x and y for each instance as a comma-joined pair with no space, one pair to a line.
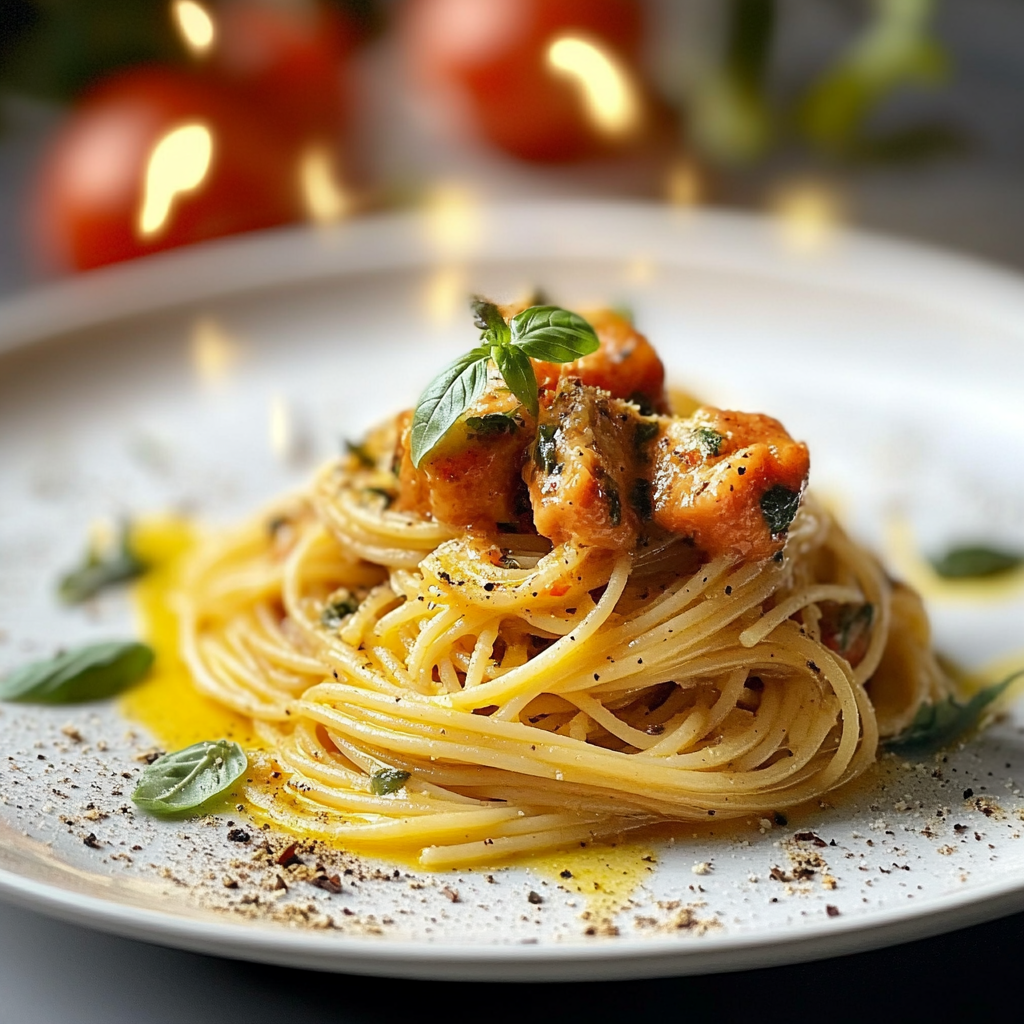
858,262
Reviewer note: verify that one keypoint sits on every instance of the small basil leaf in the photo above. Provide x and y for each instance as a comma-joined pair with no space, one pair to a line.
491,424
709,443
445,399
779,506
488,318
342,604
188,778
387,780
976,560
937,725
361,454
86,673
98,572
553,334
517,370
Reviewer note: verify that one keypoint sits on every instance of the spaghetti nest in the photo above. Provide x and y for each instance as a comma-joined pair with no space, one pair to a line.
470,697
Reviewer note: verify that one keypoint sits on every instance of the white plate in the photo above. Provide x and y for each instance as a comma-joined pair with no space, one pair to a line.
901,367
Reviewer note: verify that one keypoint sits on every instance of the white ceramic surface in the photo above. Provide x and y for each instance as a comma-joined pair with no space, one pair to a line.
903,369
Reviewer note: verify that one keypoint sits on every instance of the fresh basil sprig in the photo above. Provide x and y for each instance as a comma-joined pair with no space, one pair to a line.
101,569
937,725
186,779
548,333
975,561
85,673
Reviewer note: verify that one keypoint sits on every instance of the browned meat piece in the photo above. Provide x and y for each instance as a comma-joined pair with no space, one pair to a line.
626,365
731,480
583,468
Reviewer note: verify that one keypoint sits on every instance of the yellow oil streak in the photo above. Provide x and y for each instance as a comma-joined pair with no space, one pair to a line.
607,90
605,876
195,25
166,703
178,164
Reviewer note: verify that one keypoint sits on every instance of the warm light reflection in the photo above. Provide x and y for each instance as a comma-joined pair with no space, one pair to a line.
453,219
212,351
324,197
808,215
607,89
444,296
195,24
178,163
684,184
282,429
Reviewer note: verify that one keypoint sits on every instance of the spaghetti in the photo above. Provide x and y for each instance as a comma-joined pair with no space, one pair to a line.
470,694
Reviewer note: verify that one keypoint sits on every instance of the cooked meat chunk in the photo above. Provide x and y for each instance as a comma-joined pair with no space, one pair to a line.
731,480
473,478
626,365
583,468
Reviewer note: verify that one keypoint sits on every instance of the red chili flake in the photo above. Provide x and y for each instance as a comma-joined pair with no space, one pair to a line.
332,884
288,856
831,910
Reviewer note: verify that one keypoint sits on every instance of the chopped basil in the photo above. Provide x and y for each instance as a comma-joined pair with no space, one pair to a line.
646,431
101,570
937,725
342,604
540,332
86,673
360,452
546,451
641,499
614,502
187,779
974,561
491,424
709,443
779,506
387,780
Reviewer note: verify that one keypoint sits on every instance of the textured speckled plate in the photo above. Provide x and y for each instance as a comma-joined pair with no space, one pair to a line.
212,380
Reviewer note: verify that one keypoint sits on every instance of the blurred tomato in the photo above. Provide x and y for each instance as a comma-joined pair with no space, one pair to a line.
498,54
288,61
154,158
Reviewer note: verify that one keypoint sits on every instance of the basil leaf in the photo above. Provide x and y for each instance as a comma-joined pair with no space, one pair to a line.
342,604
709,443
937,725
86,673
188,778
445,399
387,780
492,424
486,316
973,561
553,334
515,366
779,506
98,572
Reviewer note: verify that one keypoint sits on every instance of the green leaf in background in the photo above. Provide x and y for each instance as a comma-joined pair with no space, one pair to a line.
445,399
388,780
938,725
101,569
517,370
86,673
894,51
187,779
487,317
553,334
976,561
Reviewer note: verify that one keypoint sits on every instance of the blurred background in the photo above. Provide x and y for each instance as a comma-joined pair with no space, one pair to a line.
131,127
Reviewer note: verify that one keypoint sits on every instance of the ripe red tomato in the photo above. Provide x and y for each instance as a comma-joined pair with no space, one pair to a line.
123,179
288,61
497,55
